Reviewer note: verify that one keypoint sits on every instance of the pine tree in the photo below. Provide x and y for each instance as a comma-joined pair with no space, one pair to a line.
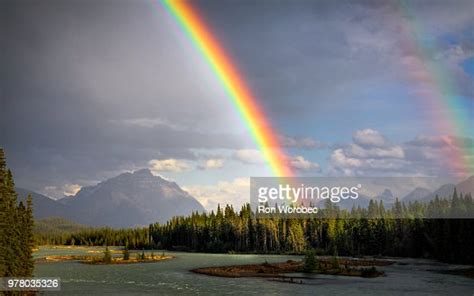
309,261
29,238
16,227
126,254
22,252
13,248
3,216
107,255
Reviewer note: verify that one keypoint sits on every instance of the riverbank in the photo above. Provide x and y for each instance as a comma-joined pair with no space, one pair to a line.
336,266
96,260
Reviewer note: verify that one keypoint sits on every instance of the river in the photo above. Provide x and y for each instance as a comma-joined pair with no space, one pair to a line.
172,277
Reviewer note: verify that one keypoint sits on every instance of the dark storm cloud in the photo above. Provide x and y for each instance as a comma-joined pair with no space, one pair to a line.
75,74
90,88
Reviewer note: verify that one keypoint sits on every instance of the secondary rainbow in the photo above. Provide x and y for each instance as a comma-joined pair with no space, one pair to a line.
233,83
439,93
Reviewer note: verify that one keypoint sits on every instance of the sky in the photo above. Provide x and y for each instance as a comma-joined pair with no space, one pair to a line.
91,89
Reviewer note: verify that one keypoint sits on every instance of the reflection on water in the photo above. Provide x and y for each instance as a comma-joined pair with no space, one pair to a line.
172,277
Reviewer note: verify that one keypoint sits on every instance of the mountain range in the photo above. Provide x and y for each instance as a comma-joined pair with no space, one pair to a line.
419,194
127,200
446,190
140,198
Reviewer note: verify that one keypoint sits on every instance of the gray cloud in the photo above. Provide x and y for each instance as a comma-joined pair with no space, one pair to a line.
211,164
92,88
425,155
370,138
301,142
301,164
249,156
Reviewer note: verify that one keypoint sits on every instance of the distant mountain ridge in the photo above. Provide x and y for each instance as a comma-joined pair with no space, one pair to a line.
417,194
140,198
43,205
386,196
445,190
466,186
127,200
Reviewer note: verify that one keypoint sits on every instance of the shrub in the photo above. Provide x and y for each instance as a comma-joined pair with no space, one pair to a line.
309,261
334,261
107,255
126,254
369,272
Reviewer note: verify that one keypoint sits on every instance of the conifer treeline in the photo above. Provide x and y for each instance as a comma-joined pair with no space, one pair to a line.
371,231
16,228
133,238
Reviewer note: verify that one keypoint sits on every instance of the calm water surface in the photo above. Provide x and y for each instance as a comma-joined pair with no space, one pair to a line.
172,277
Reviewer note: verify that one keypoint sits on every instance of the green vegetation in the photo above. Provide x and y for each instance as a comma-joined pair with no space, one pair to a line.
107,256
309,261
16,228
334,262
126,254
137,238
369,272
141,256
54,230
355,233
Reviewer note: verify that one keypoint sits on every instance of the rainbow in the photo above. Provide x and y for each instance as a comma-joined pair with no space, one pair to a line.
233,83
438,92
